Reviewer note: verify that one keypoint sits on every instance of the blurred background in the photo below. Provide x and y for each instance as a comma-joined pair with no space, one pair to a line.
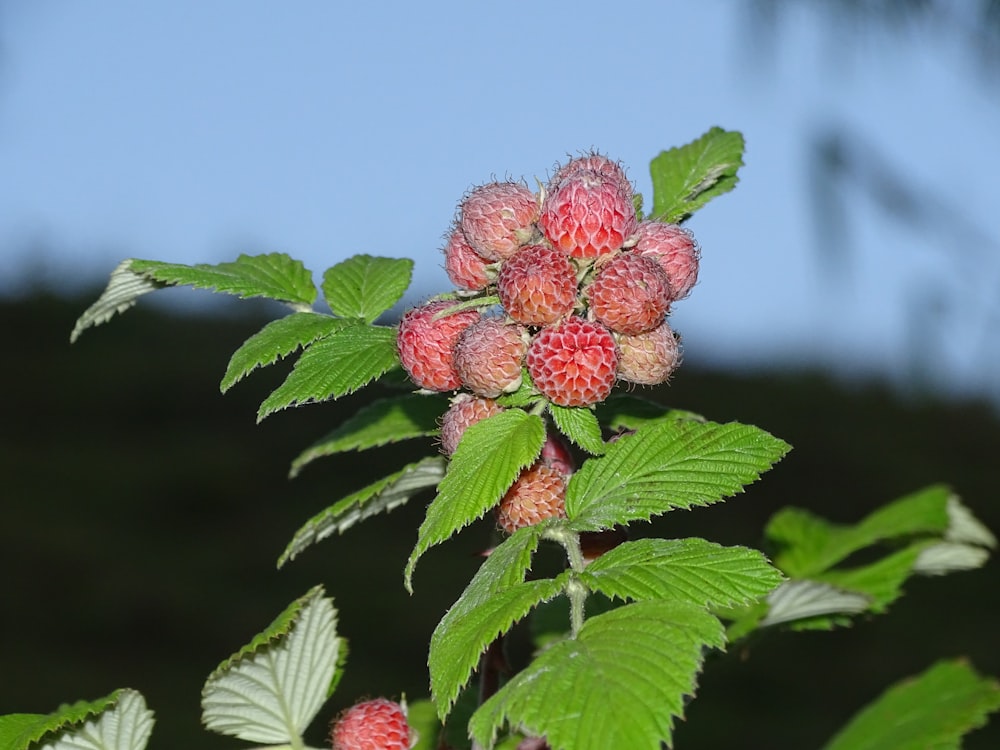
848,303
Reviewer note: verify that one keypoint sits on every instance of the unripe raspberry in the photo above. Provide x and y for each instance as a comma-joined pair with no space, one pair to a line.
426,346
588,214
556,455
675,249
497,218
630,294
594,162
489,355
538,493
649,358
378,724
465,410
464,266
537,285
574,362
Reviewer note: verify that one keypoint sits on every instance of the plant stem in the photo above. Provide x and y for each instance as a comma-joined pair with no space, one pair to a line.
576,592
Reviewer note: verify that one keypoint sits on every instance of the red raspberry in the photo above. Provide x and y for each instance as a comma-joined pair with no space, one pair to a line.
465,410
537,285
574,362
489,355
594,162
465,267
377,724
649,358
588,214
675,249
630,294
538,493
556,455
497,218
426,346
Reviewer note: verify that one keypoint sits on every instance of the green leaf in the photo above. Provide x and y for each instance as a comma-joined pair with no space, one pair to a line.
423,720
627,412
341,363
120,721
123,290
278,339
667,465
687,177
495,598
382,496
931,711
365,286
489,458
580,425
272,688
687,570
383,421
619,683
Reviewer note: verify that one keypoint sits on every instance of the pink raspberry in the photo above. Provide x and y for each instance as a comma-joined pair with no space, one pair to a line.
465,410
497,218
649,358
537,285
574,362
630,294
426,346
465,267
588,214
674,248
489,355
556,455
378,724
538,493
594,162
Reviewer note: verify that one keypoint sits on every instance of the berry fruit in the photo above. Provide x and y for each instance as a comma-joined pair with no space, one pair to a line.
556,455
378,724
674,248
630,294
537,285
489,355
588,214
538,493
464,266
426,345
497,218
574,362
649,358
595,163
465,410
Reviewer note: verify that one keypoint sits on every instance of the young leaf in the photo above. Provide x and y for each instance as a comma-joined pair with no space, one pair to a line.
466,630
120,721
272,688
687,177
387,420
619,683
365,286
688,570
123,290
341,363
933,710
580,425
382,496
667,465
490,455
278,339
801,600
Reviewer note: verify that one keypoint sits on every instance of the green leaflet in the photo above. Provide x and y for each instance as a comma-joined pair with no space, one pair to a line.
619,683
272,688
687,177
580,425
490,455
933,710
364,286
666,465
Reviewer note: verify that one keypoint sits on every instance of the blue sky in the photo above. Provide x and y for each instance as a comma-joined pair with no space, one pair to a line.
191,131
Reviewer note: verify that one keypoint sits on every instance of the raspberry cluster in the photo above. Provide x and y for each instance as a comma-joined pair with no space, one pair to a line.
585,288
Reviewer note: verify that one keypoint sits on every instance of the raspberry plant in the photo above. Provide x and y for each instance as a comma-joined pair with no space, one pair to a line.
563,296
